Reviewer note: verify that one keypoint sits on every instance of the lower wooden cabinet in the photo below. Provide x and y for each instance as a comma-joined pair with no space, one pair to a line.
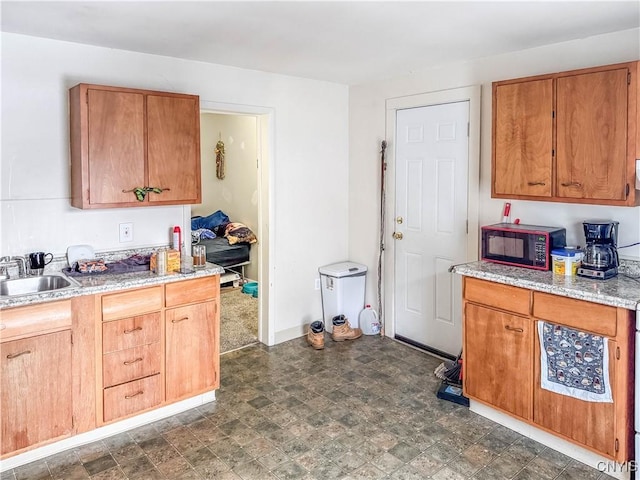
191,350
502,365
152,358
592,424
498,359
36,386
70,366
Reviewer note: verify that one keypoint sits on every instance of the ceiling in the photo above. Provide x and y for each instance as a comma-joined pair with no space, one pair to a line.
348,42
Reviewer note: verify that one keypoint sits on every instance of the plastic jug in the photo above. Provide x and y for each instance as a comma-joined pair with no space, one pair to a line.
368,320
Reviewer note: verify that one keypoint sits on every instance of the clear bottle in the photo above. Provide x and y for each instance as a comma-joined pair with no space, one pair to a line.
161,262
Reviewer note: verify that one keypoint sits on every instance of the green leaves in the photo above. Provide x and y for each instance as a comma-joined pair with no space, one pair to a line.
141,192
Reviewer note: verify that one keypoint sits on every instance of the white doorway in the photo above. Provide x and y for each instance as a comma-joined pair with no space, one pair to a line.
432,218
263,202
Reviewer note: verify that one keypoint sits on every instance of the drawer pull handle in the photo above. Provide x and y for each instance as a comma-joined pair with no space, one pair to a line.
139,392
127,332
131,362
514,329
176,320
16,355
533,184
571,184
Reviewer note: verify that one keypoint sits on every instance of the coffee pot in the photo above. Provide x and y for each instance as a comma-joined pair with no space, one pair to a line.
601,259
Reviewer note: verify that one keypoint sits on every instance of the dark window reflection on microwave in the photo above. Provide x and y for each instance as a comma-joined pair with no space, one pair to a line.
506,246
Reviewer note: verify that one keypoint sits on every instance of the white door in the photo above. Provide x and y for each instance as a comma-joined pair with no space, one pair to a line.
432,158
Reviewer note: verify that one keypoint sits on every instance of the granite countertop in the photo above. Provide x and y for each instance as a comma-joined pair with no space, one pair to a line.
101,283
620,291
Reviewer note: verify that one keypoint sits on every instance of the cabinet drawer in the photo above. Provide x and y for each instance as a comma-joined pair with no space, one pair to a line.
580,314
191,291
497,295
125,365
130,332
131,303
132,397
47,317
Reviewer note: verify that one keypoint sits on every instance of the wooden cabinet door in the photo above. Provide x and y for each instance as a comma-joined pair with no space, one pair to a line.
592,424
116,145
497,359
523,138
592,135
192,350
36,390
123,139
174,148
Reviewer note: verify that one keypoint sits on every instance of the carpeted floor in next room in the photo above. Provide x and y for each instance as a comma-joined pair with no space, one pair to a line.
238,320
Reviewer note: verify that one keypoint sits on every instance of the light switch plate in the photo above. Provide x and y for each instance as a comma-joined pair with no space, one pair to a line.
126,232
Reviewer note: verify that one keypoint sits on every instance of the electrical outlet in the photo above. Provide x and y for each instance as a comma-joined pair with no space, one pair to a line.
317,284
126,232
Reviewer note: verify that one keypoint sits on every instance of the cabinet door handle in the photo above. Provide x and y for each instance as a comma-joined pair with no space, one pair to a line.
176,320
571,184
16,355
131,362
127,332
533,184
514,329
139,392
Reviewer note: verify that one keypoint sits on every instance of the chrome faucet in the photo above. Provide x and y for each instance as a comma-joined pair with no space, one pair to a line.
21,262
6,262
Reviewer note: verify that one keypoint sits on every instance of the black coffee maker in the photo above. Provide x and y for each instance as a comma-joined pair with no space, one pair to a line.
601,259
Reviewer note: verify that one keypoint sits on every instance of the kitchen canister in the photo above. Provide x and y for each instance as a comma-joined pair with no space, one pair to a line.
368,320
565,261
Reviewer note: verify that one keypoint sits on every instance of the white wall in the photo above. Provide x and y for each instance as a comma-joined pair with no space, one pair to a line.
309,163
236,194
367,130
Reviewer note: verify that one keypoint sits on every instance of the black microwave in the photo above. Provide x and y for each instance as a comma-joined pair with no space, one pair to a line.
526,246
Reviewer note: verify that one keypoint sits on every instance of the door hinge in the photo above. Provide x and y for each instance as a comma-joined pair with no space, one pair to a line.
73,421
628,78
553,152
86,97
257,166
467,226
72,339
553,114
617,353
617,445
626,191
468,128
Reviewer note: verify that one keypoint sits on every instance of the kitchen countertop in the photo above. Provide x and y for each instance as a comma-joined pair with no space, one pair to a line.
620,291
101,283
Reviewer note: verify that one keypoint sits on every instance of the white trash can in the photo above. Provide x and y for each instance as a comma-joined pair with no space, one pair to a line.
342,289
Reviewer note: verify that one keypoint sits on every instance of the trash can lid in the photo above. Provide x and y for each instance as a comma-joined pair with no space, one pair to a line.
343,269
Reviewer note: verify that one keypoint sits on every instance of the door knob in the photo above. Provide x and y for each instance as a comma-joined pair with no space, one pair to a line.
397,235
399,220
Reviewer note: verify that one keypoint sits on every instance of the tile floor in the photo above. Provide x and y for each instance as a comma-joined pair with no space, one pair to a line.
356,410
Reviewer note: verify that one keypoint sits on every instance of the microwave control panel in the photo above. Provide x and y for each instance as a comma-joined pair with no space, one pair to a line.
541,251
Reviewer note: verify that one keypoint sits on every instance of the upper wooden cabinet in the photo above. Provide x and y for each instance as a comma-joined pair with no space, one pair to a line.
123,139
568,137
523,135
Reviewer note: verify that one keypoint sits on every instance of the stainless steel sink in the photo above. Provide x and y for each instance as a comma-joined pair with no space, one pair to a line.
27,285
